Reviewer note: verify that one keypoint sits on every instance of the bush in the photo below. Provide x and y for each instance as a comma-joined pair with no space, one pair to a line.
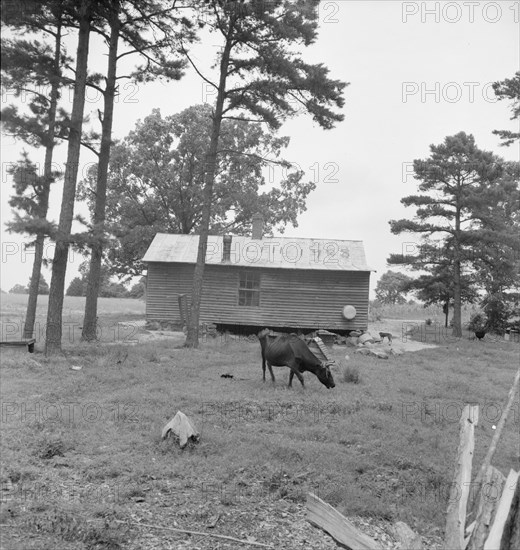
477,322
498,312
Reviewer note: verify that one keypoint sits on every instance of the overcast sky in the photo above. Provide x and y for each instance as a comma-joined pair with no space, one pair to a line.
418,72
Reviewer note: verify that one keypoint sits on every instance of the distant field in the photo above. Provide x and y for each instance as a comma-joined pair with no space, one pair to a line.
111,311
417,311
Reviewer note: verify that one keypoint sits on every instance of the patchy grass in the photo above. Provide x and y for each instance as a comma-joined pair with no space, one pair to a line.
82,449
350,374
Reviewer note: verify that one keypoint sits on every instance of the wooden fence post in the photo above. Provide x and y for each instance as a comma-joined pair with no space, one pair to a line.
486,506
456,513
500,524
494,441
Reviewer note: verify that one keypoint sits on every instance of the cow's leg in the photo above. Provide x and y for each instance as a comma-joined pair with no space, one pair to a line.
294,371
270,371
263,368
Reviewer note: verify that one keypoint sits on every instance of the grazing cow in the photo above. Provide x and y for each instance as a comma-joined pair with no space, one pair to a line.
289,351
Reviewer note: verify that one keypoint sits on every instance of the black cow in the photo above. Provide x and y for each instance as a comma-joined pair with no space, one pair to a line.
289,351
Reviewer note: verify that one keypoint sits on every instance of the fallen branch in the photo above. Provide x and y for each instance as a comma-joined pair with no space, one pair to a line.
198,533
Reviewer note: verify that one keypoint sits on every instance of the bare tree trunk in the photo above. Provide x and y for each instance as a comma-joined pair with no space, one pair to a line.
94,277
446,312
32,302
43,200
59,266
457,302
192,338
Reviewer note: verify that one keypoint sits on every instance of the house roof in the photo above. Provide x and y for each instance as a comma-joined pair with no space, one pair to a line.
275,252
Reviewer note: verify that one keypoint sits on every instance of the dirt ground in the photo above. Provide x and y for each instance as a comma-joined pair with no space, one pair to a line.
397,327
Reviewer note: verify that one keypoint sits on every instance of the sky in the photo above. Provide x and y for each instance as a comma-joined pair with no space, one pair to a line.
417,72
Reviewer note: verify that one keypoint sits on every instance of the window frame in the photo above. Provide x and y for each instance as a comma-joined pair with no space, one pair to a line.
249,288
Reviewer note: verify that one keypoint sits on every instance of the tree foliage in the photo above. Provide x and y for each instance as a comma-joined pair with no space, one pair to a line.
76,287
43,286
156,182
147,28
32,70
261,77
454,183
391,287
509,88
18,289
108,288
29,200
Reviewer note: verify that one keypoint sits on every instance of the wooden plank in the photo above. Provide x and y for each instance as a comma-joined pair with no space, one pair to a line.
19,343
494,442
456,513
514,538
325,517
486,506
494,540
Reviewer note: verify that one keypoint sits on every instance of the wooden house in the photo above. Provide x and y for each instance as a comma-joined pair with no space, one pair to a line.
254,282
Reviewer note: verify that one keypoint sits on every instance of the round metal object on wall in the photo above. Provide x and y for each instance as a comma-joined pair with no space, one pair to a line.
349,312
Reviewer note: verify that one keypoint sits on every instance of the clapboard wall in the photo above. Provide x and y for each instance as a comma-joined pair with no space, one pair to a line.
293,298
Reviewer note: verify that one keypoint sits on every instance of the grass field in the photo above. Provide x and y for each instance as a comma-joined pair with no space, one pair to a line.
111,312
83,461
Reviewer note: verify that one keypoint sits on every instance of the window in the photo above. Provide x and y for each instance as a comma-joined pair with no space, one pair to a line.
249,288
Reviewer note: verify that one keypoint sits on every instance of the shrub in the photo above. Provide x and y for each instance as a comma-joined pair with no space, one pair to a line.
498,311
477,322
50,446
351,374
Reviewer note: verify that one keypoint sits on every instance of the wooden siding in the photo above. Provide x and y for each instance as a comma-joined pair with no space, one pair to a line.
298,298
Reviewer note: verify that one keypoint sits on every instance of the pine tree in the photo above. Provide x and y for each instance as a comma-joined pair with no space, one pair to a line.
138,25
509,89
32,69
451,180
259,72
59,264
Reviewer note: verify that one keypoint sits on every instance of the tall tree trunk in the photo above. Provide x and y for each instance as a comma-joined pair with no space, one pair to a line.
447,312
457,302
43,200
192,338
59,264
94,277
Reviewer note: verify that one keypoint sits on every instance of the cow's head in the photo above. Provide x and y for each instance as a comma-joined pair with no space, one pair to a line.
325,376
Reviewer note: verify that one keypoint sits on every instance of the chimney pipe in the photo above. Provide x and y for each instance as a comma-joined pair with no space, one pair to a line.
226,249
258,226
